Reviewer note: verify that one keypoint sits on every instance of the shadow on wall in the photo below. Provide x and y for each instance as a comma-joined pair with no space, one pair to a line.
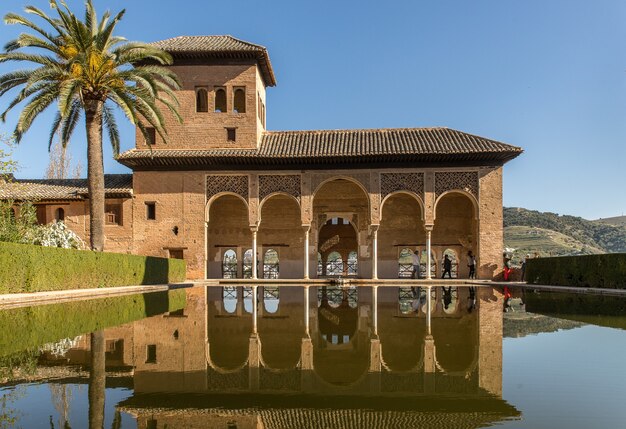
156,271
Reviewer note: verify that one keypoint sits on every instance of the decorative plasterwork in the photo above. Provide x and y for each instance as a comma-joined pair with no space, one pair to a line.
216,184
287,183
457,180
393,182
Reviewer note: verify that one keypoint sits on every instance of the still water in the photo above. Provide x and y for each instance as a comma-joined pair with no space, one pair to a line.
318,357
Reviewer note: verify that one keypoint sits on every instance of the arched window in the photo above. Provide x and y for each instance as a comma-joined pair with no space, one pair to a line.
424,262
202,100
270,264
229,298
353,263
334,264
220,100
455,262
239,100
320,264
247,264
405,263
271,299
229,265
59,215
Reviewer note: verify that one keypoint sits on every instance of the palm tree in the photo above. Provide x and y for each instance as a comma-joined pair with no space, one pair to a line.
82,67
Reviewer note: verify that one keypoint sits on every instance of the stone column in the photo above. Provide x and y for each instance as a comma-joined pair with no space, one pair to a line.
429,230
254,253
307,258
374,251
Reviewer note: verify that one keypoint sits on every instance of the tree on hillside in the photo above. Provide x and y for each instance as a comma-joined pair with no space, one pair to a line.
83,68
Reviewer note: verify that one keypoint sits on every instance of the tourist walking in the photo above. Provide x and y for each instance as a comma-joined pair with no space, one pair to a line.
447,267
416,265
471,263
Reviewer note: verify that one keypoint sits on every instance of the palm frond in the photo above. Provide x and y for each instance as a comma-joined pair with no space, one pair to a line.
110,124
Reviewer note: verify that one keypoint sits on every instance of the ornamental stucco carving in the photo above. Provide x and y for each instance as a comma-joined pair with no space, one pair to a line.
318,178
216,184
457,180
287,183
393,182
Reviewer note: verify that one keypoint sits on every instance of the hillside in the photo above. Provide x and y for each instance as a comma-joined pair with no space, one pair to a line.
615,221
530,231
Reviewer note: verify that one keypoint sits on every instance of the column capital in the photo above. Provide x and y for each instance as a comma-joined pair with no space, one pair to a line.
429,227
374,228
306,228
254,228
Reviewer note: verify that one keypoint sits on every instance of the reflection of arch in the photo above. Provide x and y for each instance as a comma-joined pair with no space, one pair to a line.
216,197
271,299
456,342
229,299
409,193
401,339
229,264
471,198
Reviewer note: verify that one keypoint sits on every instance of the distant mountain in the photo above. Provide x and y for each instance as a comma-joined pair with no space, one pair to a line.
520,324
545,233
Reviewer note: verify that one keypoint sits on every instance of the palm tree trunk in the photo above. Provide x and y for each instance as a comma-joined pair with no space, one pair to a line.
95,173
97,381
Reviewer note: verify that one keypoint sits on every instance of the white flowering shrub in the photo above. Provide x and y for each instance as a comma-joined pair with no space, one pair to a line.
56,234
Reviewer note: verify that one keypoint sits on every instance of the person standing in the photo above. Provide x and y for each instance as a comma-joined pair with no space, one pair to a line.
416,265
523,269
447,267
471,263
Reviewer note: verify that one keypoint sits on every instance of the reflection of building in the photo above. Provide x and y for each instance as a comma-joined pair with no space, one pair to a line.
224,185
355,352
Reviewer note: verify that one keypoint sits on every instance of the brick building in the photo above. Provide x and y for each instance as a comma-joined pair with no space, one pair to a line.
224,192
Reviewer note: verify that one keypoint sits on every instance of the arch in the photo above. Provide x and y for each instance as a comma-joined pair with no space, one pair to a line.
343,177
352,267
405,263
239,100
229,264
334,264
409,193
220,100
202,100
456,344
320,264
424,261
454,257
217,196
275,194
247,264
271,264
470,196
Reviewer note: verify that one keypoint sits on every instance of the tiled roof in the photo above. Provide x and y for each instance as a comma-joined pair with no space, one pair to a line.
219,46
63,189
377,147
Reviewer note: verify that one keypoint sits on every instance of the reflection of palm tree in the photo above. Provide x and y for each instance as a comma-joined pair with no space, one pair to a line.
97,379
61,398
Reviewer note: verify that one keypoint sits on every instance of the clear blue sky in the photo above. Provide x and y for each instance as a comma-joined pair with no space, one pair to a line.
549,76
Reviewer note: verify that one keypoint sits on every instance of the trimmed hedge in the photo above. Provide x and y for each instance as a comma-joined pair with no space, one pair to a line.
599,271
29,268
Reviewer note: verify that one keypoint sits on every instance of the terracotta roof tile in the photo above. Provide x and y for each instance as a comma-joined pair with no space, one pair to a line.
63,189
376,146
219,46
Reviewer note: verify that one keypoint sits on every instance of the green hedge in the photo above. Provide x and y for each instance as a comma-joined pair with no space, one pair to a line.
29,268
600,271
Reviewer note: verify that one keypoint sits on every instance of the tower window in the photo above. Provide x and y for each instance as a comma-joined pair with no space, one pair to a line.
220,100
202,100
151,353
231,134
113,214
239,102
151,136
151,211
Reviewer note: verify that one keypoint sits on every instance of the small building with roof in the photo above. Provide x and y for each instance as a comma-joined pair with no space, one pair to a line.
238,201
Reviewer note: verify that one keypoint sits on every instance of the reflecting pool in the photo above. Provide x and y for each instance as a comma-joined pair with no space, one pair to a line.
315,356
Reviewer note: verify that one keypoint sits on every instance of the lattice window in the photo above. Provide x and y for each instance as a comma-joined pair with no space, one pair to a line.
219,183
393,182
288,183
459,180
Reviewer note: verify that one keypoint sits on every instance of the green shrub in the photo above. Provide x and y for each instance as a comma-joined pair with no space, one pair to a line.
600,271
28,268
